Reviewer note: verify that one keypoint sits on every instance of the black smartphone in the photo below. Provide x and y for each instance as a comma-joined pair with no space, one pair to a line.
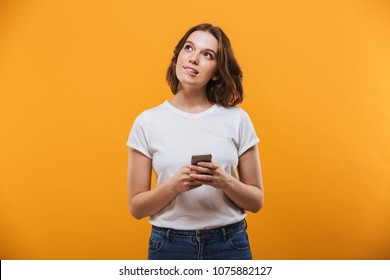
200,158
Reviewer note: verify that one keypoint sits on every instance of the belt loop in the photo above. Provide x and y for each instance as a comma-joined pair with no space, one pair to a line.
223,233
246,224
167,234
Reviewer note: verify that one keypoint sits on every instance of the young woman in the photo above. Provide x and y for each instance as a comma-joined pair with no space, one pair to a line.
197,211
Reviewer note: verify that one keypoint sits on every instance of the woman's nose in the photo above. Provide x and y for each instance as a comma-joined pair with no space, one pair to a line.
194,59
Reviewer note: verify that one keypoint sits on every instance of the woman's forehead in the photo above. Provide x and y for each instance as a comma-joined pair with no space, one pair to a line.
203,40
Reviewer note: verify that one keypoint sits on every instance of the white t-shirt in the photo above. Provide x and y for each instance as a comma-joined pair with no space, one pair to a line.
170,137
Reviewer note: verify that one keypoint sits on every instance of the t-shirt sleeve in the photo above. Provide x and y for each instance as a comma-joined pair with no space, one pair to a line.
247,134
138,138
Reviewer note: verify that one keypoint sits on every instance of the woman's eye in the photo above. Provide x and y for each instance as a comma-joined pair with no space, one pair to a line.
208,55
188,47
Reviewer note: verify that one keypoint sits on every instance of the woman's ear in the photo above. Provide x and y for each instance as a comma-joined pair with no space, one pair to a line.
215,78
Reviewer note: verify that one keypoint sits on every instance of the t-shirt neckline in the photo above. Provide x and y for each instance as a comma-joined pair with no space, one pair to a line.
190,115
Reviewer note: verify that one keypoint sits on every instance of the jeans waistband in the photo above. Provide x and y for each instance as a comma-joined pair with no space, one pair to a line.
223,232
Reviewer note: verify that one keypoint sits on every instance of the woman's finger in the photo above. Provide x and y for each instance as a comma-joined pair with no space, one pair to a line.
198,169
203,177
209,165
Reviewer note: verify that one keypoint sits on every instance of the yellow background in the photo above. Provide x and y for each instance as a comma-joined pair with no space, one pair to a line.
74,75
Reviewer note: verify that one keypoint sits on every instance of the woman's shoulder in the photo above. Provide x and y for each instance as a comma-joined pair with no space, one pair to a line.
152,115
234,114
232,110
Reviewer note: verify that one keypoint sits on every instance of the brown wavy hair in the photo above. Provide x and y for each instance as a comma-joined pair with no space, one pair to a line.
227,90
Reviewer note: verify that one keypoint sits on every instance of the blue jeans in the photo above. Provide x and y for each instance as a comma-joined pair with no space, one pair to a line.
226,243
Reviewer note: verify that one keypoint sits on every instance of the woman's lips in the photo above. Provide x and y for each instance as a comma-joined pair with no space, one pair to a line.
191,71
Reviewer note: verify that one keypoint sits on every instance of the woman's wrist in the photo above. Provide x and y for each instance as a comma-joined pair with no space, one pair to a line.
172,187
229,183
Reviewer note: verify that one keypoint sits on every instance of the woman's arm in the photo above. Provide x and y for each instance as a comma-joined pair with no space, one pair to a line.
145,202
247,193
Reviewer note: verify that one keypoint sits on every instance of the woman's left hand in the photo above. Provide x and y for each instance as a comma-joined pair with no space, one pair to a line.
210,173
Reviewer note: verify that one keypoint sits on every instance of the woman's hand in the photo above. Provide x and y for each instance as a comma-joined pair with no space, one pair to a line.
210,173
182,180
247,193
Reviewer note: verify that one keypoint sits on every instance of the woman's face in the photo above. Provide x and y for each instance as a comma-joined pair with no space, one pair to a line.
196,63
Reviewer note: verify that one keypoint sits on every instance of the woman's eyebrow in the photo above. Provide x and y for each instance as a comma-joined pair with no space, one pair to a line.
210,50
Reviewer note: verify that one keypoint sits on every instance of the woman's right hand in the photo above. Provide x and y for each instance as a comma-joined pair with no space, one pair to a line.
182,181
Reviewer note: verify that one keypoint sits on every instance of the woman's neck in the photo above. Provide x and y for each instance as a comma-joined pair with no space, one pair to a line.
191,102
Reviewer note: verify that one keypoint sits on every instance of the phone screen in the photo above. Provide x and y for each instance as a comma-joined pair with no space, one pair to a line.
200,158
